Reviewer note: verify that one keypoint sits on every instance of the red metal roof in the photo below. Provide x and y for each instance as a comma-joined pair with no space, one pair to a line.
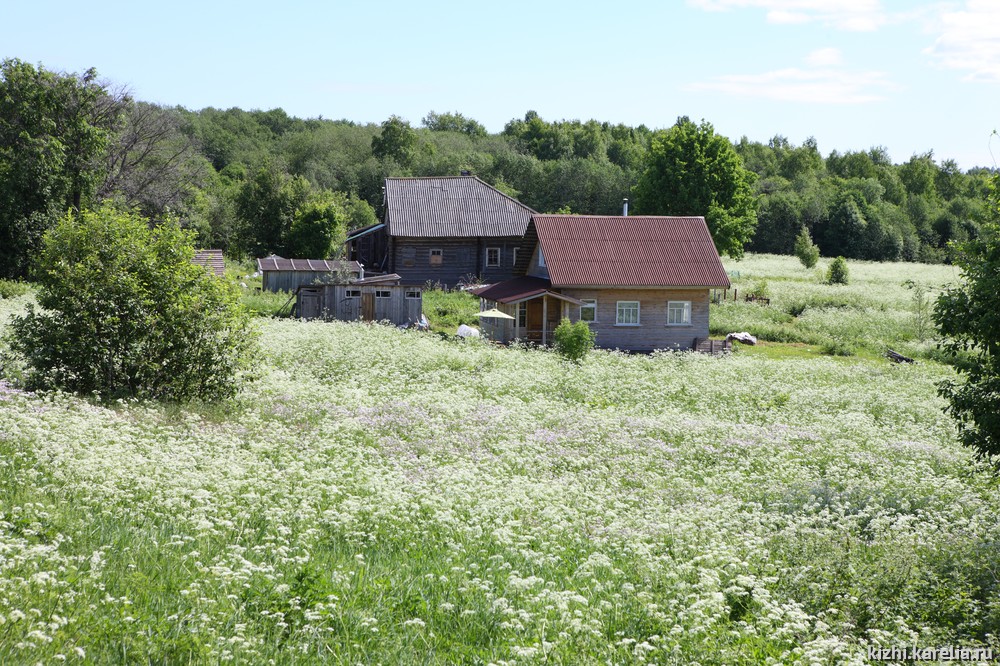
456,206
519,289
634,251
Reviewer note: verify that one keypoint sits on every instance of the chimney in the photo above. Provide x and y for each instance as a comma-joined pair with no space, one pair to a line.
625,208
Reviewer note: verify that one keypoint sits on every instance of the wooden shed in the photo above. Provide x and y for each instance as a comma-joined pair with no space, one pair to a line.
280,274
379,298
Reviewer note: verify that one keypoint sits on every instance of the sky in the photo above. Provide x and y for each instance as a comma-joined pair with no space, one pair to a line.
907,75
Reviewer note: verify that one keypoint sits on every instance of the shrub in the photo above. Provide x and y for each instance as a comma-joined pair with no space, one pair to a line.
837,348
12,289
837,273
125,313
760,290
573,341
805,249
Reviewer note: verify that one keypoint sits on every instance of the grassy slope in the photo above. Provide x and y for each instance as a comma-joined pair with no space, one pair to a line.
389,496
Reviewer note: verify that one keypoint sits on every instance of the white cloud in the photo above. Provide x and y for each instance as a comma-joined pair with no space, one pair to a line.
853,15
817,86
825,57
969,39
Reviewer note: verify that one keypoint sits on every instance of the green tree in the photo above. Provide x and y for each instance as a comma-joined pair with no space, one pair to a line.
968,316
318,229
453,122
397,141
54,129
573,341
265,208
691,170
837,273
805,249
126,313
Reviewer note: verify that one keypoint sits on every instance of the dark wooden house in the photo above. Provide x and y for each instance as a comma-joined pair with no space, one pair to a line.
447,230
380,298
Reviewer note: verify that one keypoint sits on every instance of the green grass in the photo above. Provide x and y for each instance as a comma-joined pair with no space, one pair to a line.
387,496
446,310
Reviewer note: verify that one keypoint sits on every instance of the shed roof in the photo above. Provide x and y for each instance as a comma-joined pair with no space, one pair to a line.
212,260
635,251
519,289
276,263
456,206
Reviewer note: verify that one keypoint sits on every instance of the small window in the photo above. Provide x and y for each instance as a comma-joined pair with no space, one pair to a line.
628,313
383,293
437,257
678,313
413,294
514,253
541,257
588,311
522,314
492,256
353,293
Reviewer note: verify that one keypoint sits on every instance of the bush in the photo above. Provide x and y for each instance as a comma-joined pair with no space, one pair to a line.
760,290
805,249
126,314
837,273
12,289
573,341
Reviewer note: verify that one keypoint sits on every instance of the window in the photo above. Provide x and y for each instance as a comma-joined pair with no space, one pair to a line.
522,315
588,311
678,313
413,294
628,313
514,253
492,256
383,293
437,256
541,257
353,293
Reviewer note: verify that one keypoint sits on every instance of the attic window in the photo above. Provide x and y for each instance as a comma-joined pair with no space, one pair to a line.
492,256
437,257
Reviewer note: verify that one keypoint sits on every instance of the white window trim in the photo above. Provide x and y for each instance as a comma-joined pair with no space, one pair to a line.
589,303
436,252
493,264
638,314
383,293
353,293
687,313
412,294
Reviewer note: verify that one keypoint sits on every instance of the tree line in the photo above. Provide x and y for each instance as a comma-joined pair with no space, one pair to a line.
256,182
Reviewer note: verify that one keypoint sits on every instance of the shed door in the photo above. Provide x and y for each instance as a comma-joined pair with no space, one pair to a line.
368,306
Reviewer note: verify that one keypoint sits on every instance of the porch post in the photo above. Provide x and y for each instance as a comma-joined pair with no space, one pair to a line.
545,319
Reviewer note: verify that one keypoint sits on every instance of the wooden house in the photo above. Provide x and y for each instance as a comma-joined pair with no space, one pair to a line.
380,298
211,260
444,230
280,274
641,283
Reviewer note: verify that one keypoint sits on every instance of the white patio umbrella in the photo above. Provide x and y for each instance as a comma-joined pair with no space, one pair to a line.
494,314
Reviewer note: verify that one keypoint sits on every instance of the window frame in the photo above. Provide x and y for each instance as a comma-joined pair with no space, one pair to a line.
383,293
589,304
619,309
492,264
352,293
435,253
686,305
514,254
413,294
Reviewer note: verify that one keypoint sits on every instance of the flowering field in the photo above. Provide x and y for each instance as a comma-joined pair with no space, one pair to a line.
387,496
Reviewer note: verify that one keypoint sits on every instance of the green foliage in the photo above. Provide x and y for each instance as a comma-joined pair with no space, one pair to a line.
453,122
54,129
397,141
573,341
690,170
760,289
318,230
12,289
447,310
125,313
265,207
805,249
968,316
837,273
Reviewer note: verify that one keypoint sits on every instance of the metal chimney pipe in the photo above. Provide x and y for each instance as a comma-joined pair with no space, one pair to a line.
625,207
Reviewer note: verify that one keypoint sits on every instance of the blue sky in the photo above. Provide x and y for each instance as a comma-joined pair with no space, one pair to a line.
912,76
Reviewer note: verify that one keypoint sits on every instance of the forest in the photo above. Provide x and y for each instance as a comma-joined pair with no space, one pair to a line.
255,182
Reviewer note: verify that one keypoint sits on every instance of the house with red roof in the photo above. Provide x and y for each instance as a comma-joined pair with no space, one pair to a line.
641,283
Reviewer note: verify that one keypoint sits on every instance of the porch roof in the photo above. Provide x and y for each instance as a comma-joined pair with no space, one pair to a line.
521,289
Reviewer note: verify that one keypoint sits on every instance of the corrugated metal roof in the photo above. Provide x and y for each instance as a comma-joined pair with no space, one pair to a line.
520,289
211,259
634,251
458,206
276,263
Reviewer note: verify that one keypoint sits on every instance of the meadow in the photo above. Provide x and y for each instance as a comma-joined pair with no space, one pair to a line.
388,496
